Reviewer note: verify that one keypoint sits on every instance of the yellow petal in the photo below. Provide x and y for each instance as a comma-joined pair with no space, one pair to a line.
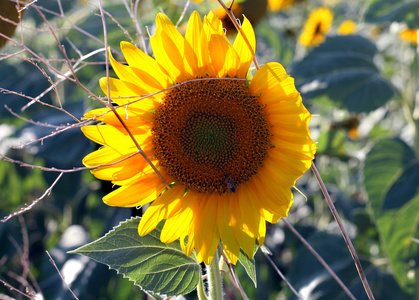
245,45
166,204
180,223
280,92
223,57
206,231
122,92
195,36
112,137
267,77
169,49
145,67
276,199
230,243
133,118
124,169
142,192
246,241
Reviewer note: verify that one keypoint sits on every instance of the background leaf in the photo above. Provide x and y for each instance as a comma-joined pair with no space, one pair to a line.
386,166
151,264
342,68
394,11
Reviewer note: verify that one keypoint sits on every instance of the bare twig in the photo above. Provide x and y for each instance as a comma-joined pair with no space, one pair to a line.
344,233
14,289
282,276
28,207
319,258
31,121
58,271
41,139
233,274
183,13
23,164
236,24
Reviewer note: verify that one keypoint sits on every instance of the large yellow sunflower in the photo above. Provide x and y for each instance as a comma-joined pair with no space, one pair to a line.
316,27
230,149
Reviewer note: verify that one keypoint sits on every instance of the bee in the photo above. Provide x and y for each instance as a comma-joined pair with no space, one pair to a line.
230,184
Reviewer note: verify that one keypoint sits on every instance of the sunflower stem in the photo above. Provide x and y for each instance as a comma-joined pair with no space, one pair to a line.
344,233
215,284
200,289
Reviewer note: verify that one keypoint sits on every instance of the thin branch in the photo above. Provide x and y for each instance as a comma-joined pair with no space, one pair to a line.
41,139
236,24
30,121
282,276
233,273
344,233
58,271
14,289
183,13
23,164
319,258
28,207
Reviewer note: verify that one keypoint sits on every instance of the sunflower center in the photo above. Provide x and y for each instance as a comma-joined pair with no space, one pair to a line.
211,135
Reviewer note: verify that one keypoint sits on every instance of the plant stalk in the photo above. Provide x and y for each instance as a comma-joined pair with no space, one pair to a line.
344,233
215,284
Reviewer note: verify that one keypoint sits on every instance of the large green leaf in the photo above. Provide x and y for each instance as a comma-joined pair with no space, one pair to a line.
394,11
342,68
394,203
149,263
311,279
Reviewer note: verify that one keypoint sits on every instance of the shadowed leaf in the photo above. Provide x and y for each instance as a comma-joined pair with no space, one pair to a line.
342,68
149,263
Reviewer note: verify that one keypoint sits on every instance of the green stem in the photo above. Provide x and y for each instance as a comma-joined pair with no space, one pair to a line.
200,289
215,284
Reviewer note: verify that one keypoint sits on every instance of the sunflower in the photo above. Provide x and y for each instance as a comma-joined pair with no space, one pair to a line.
229,149
410,35
316,27
347,27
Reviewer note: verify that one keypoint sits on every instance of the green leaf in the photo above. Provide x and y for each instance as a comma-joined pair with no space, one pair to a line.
249,265
404,189
149,263
342,68
394,11
386,167
311,279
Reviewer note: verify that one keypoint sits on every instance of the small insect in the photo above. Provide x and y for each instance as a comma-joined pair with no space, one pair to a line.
230,184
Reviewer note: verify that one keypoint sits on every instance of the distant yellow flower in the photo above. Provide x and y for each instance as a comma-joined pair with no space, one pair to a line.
277,5
230,149
316,27
347,27
410,35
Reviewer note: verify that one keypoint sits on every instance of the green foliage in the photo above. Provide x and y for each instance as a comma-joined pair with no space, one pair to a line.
394,11
343,69
149,263
248,265
390,171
